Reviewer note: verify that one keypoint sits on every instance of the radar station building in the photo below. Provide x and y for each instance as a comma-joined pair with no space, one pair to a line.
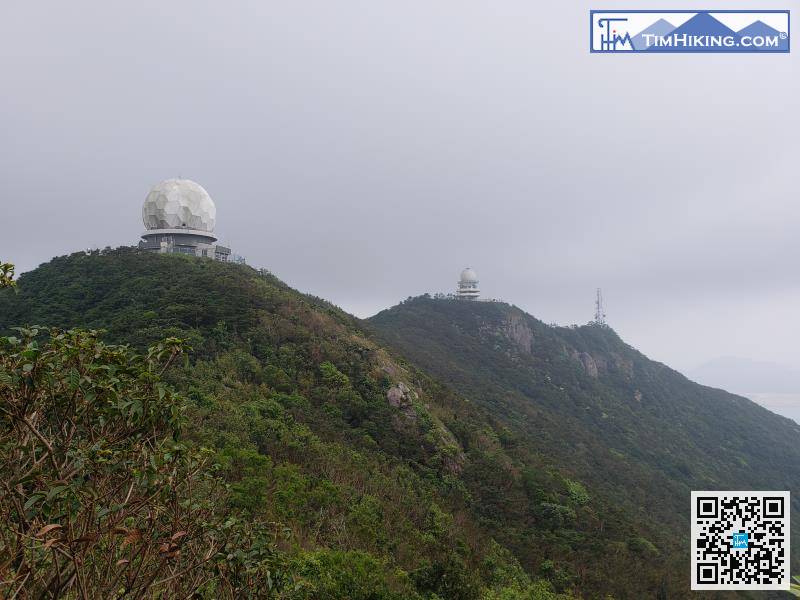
179,217
468,285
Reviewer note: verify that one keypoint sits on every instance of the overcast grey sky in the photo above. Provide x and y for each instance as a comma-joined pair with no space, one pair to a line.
367,151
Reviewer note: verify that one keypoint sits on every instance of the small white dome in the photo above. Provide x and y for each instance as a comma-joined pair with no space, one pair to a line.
469,276
179,204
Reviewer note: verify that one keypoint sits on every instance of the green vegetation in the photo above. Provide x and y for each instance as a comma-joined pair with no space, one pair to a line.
633,436
344,473
541,463
6,275
99,496
795,586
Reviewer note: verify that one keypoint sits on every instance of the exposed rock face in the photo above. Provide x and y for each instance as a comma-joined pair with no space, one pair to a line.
411,412
593,365
588,363
518,331
402,397
600,362
399,395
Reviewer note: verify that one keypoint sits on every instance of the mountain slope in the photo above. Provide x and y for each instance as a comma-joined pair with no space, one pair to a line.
634,430
367,461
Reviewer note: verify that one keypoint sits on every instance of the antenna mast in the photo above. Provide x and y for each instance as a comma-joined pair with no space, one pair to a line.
599,309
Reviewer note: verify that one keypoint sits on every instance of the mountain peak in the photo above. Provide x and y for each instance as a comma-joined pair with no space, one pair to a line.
586,398
464,432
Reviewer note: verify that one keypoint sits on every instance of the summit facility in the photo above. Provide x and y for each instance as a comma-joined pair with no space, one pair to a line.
179,217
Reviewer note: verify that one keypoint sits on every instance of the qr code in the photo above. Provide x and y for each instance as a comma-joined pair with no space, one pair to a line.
740,540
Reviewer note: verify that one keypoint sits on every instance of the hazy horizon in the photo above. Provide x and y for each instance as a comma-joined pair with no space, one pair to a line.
367,153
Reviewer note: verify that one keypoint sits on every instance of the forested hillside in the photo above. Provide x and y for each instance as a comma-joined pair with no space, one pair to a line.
633,430
560,463
368,471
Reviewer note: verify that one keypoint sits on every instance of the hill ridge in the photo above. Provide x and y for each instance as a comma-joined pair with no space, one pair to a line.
457,476
594,403
366,459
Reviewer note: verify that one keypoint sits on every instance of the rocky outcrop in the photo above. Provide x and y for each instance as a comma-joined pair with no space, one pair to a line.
595,365
402,397
517,330
587,362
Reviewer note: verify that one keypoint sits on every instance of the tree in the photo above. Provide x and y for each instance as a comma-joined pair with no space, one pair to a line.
6,275
99,498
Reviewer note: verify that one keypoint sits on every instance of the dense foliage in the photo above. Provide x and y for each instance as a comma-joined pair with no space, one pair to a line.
98,496
562,464
375,481
637,434
6,275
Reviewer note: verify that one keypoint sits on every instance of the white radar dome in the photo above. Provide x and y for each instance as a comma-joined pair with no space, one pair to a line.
469,276
179,204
